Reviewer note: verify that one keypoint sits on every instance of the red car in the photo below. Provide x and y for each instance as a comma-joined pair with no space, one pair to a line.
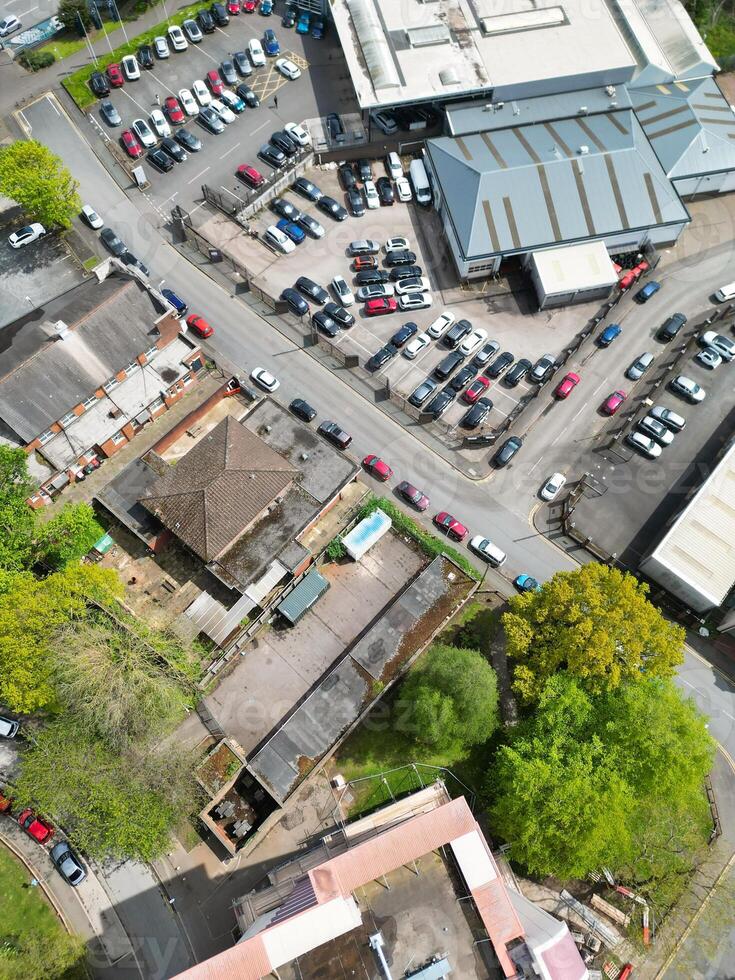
131,144
249,6
413,495
478,387
35,827
376,307
249,175
215,82
233,7
363,262
173,110
613,403
199,325
567,385
115,75
450,525
627,280
377,468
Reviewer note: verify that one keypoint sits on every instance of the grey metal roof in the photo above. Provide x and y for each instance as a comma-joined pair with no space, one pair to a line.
690,125
516,189
311,588
685,52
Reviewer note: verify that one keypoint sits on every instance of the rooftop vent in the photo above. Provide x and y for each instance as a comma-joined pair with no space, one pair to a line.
62,330
448,76
304,457
423,37
583,150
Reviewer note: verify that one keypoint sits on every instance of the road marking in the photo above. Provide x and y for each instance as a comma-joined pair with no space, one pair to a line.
600,385
580,411
169,198
51,103
704,694
26,12
221,31
24,123
232,194
534,466
262,126
142,109
198,176
202,51
230,150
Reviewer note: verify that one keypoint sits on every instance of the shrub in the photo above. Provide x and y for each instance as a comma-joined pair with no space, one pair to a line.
35,60
335,549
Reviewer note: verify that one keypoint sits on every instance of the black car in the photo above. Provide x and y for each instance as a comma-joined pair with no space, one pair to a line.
340,314
440,403
310,225
145,56
369,277
109,113
462,378
219,14
402,336
205,21
283,142
329,206
477,414
347,176
364,170
402,257
518,372
499,365
331,431
406,272
543,368
188,140
356,203
458,332
308,190
99,84
381,357
272,156
283,207
297,304
385,190
335,128
242,63
322,321
420,394
507,451
228,73
312,289
447,365
112,242
129,259
302,410
175,150
247,95
289,17
160,160
671,327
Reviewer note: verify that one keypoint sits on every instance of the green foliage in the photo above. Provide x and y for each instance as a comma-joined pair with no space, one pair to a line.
453,699
34,177
429,543
35,60
17,520
70,12
335,550
596,623
68,536
609,779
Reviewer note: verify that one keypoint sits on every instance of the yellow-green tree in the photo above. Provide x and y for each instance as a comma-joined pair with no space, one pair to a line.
34,177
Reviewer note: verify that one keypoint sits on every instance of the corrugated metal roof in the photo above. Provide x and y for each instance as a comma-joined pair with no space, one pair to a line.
517,189
311,588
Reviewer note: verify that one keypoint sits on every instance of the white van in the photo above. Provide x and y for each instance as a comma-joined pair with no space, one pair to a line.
420,182
725,293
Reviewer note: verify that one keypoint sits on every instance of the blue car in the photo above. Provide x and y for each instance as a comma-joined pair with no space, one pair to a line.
293,231
270,43
609,334
302,25
178,304
649,290
266,8
317,29
526,583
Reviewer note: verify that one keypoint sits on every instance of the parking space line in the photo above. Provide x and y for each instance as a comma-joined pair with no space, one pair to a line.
580,411
134,101
258,129
169,198
221,31
51,103
232,194
198,176
202,51
230,150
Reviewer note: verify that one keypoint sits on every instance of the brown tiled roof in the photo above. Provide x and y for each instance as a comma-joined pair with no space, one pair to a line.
219,488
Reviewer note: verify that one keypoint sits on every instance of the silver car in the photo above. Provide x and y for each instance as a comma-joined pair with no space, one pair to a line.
8,727
644,444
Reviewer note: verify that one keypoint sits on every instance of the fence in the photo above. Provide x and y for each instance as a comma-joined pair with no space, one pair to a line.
241,206
237,274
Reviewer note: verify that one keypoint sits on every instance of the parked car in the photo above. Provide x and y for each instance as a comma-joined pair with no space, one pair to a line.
188,102
449,524
178,304
400,258
381,357
131,67
406,285
377,467
91,217
639,366
37,828
227,72
643,444
650,289
609,334
223,111
288,69
507,451
363,246
385,191
422,392
296,303
656,429
143,131
385,121
177,38
247,95
347,176
307,189
407,272
670,419
214,81
325,323
201,92
553,486
310,225
99,84
723,345
67,863
342,291
160,160
486,549
379,307
27,235
567,385
130,260
340,314
313,290
192,31
364,263
476,414
242,63
219,14
272,156
173,110
671,326
484,354
159,124
526,583
335,435
303,410
332,208
403,190
501,362
478,387
112,243
415,301
412,495
8,727
517,373
543,368
613,402
355,202
206,21
160,46
292,230
264,379
250,176
270,43
278,239
298,134
8,24
115,75
415,346
188,140
709,357
472,341
199,325
109,113
440,403
437,327
372,198
397,244
462,377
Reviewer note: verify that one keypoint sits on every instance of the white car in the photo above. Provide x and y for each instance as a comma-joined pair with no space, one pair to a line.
160,46
397,245
177,39
393,166
91,217
300,134
415,301
159,123
644,444
403,190
193,31
231,100
201,92
709,357
257,55
288,69
415,346
224,112
723,345
487,550
188,102
416,284
278,240
551,489
377,290
143,131
342,291
25,236
131,68
372,199
9,24
688,389
440,325
264,378
472,341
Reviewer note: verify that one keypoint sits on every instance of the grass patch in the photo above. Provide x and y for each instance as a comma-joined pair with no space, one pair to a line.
91,262
64,45
429,543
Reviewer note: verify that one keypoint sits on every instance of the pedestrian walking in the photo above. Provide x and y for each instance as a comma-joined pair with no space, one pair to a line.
158,99
275,101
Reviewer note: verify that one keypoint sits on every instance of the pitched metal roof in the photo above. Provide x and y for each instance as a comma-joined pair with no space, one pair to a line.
219,488
310,588
516,189
690,125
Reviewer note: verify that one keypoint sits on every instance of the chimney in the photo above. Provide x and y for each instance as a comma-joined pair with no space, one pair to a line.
62,330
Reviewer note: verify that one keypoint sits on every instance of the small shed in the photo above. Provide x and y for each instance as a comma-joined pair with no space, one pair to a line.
365,534
298,602
572,274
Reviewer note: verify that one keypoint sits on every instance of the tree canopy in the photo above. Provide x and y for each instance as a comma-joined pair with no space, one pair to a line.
34,177
17,520
68,535
452,699
597,623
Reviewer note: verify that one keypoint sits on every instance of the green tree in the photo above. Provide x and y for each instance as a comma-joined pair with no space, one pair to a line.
67,536
452,699
38,955
597,623
69,12
17,520
34,177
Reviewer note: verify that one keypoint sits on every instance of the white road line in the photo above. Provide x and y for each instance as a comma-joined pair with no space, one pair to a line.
142,109
26,12
600,385
558,438
534,465
259,128
228,191
704,695
198,176
202,51
230,150
196,208
580,411
51,103
221,31
169,198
